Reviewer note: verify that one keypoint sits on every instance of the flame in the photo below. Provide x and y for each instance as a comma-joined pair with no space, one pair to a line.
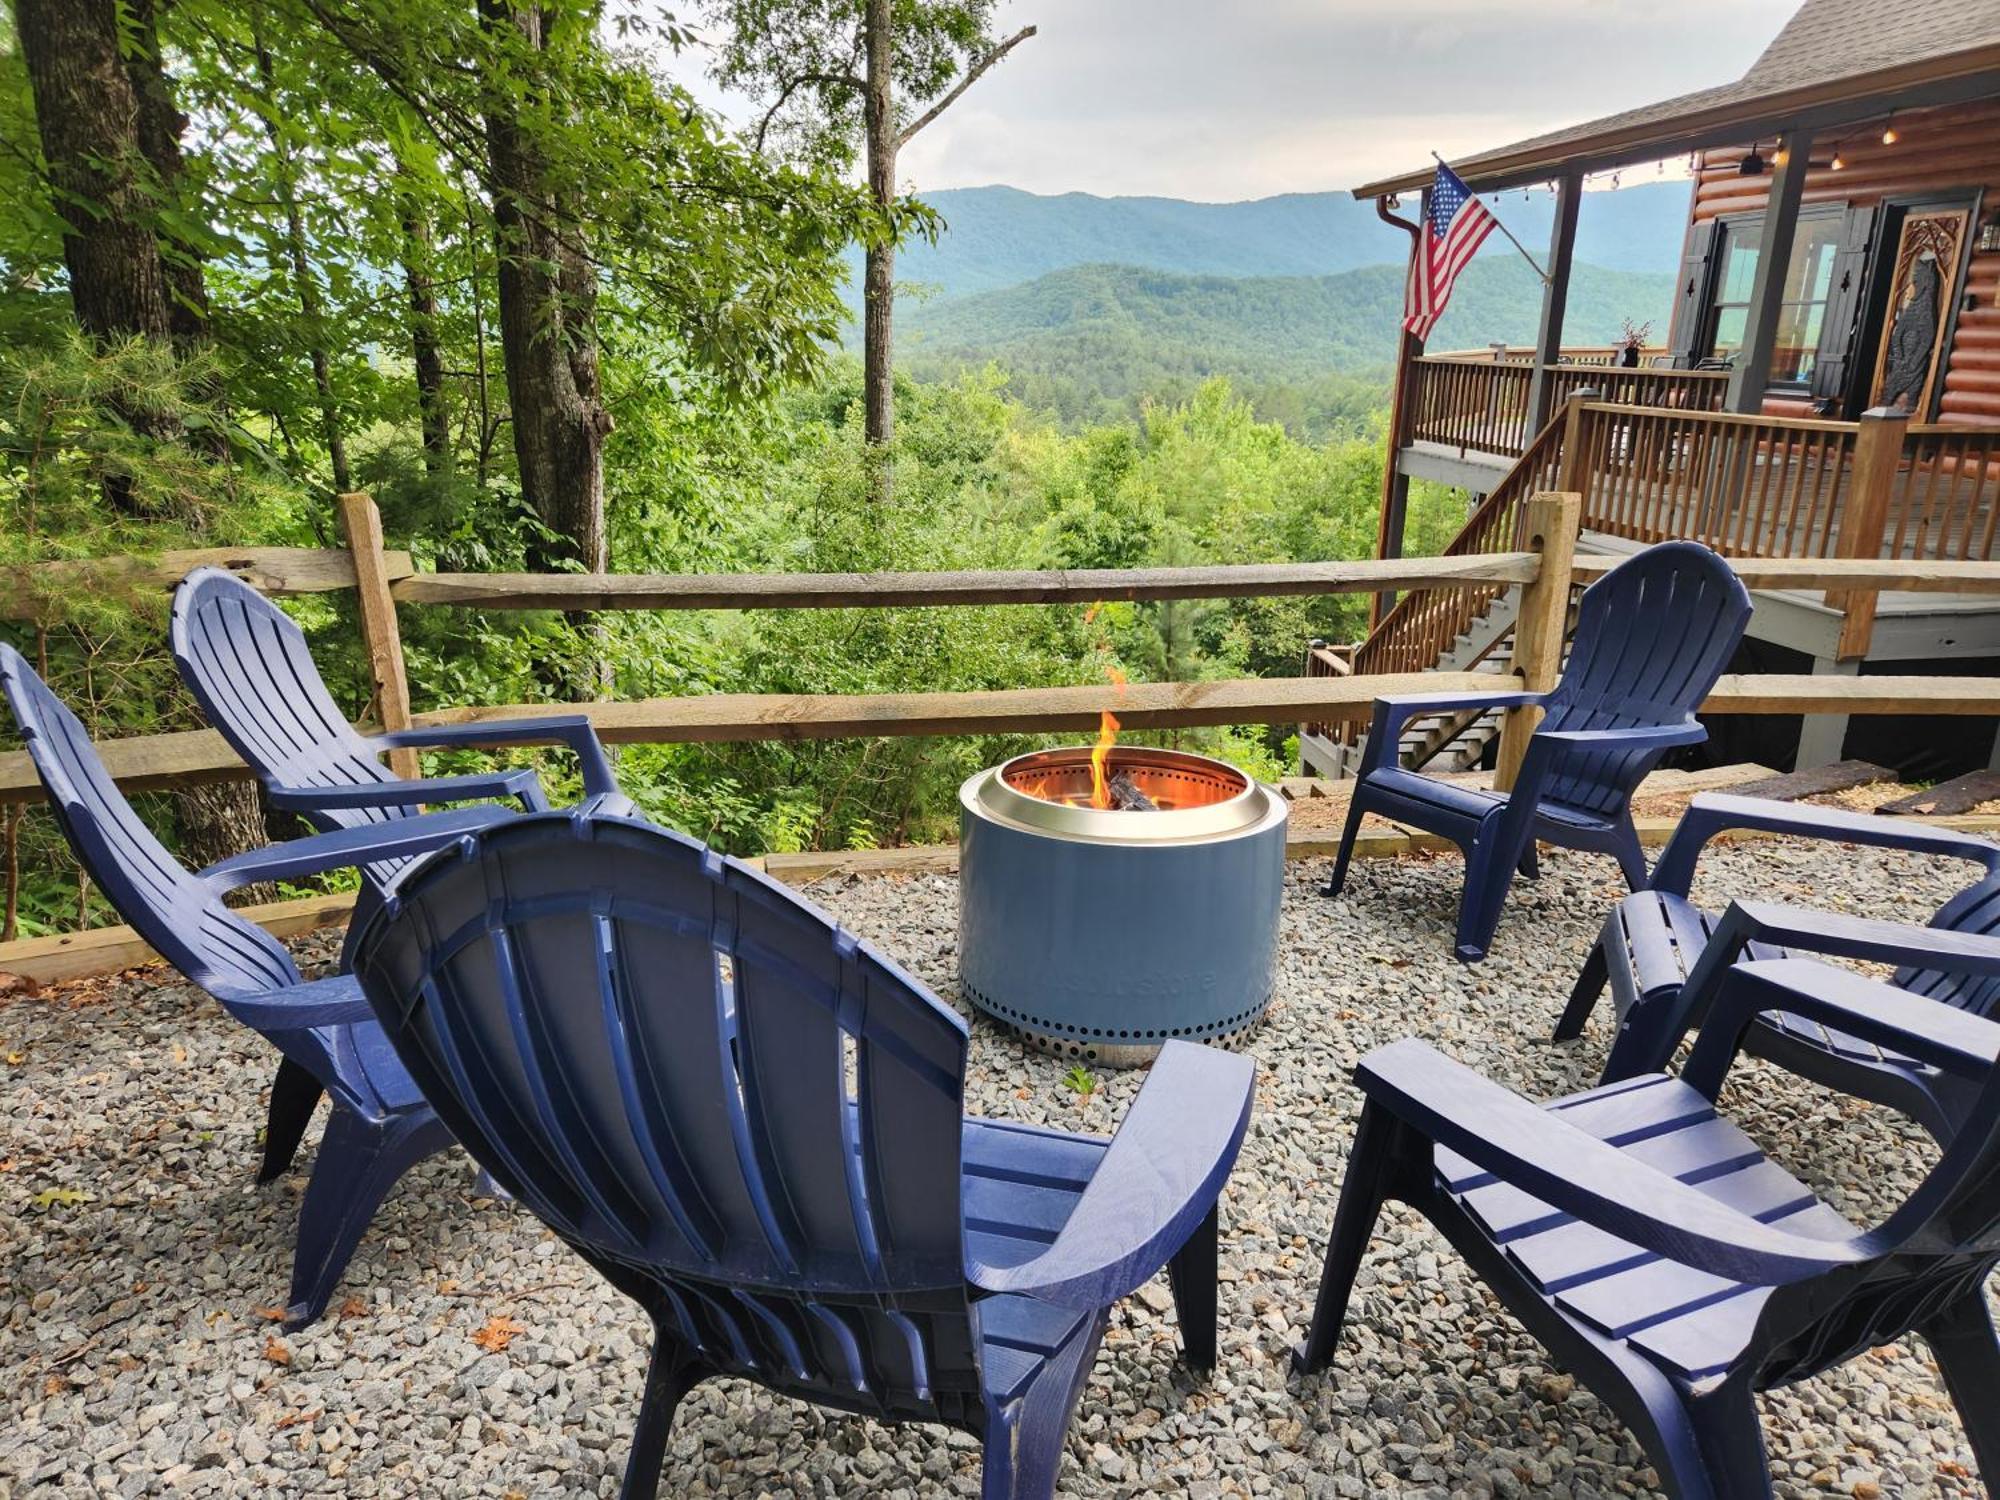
1100,754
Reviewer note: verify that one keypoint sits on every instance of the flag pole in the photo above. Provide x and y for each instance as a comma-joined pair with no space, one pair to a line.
1532,262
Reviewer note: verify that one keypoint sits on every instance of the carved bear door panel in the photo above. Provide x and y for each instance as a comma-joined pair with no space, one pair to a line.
1909,359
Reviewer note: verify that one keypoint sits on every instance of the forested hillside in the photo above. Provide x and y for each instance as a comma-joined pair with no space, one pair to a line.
1093,341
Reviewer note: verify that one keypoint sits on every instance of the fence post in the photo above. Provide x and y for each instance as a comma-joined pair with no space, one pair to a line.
361,524
1864,519
1549,527
1573,474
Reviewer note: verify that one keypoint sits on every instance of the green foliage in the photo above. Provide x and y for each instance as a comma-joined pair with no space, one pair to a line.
1080,1081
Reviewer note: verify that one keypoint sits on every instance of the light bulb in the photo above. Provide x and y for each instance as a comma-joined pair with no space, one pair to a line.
1889,137
1838,164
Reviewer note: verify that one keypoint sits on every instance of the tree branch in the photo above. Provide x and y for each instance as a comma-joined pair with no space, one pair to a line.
972,76
792,85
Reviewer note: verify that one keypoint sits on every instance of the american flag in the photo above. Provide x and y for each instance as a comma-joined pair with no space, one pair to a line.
1455,226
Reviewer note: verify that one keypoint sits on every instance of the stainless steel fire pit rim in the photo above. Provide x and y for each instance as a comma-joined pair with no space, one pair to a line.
991,795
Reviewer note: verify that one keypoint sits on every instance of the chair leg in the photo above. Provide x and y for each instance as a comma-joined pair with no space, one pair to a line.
359,1161
1968,1355
1583,997
1355,813
1191,1274
1371,1172
294,1095
670,1376
1024,1439
1734,1463
1489,875
1631,857
1530,866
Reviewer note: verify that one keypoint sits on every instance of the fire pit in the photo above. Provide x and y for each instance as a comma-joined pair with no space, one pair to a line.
1112,899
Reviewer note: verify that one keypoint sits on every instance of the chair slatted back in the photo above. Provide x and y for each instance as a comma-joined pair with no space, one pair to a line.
1975,909
1939,1247
249,666
1652,636
699,1081
176,913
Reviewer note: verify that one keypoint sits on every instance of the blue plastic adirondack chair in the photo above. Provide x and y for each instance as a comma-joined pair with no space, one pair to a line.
1652,636
1662,1257
379,1126
249,667
752,1124
1664,956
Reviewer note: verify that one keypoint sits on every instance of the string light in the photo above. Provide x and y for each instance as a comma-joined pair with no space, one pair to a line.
1837,163
1889,136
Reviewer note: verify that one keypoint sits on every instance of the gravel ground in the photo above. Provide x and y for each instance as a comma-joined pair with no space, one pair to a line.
472,1355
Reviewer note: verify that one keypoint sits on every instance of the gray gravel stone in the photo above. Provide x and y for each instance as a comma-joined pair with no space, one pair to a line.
140,1360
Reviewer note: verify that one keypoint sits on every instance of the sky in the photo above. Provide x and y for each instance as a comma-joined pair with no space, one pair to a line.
1222,100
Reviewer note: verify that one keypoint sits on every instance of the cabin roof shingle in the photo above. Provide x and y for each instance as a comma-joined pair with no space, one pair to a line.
1831,53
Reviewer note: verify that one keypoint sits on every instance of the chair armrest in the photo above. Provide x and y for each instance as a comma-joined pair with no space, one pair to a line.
1713,812
344,848
572,730
407,791
325,1002
1392,713
1637,737
1865,938
1157,1182
1539,1152
1947,1038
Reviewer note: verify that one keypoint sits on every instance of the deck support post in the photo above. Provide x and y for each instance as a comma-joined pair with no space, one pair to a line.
1549,527
1555,303
1864,519
1822,737
1767,289
361,524
1395,483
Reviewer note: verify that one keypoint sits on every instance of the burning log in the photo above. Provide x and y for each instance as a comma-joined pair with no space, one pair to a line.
1126,796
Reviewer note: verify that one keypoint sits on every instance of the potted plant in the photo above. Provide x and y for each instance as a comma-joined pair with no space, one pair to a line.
1631,342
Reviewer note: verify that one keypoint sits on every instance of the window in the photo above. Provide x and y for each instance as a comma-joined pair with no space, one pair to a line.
1808,283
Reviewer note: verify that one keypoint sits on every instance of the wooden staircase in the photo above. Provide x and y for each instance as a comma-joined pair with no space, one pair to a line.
1466,628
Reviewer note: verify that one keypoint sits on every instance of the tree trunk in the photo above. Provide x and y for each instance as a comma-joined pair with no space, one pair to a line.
878,288
87,114
426,348
547,330
310,306
110,131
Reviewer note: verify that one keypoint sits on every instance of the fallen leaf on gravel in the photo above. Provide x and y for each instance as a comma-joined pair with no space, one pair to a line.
353,1307
48,1198
55,1385
498,1333
18,984
276,1352
271,1314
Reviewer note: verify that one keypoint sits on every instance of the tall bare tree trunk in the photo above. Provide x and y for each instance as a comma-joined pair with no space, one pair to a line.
547,328
426,348
110,131
878,287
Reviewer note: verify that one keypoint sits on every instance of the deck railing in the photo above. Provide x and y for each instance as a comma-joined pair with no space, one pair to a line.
1481,405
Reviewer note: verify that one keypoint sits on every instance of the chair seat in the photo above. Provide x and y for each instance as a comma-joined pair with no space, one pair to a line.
1653,939
1690,1324
1472,803
1020,1185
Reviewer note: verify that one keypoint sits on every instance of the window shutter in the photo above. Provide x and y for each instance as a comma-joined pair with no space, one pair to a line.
1840,328
1691,305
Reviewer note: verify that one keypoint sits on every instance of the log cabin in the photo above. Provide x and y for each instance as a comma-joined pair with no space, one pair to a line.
1829,385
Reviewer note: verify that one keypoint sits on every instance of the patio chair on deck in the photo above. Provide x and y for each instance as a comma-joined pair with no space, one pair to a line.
752,1124
1662,1257
248,665
1663,956
325,1036
1652,635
